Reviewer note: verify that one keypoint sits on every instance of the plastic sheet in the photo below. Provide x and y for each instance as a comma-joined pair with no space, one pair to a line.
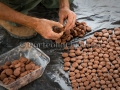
98,14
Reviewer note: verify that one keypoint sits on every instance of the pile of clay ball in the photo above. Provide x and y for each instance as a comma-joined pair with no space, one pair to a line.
95,64
79,30
11,71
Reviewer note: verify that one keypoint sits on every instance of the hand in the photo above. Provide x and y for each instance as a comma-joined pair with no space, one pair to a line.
44,27
66,13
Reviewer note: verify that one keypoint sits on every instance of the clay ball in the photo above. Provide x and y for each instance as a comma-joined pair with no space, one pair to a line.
64,55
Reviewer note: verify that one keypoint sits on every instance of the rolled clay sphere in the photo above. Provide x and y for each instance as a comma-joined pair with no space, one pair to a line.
77,75
107,82
115,75
91,56
86,83
5,67
95,66
90,63
64,55
95,53
72,54
89,77
92,84
72,51
84,64
110,85
100,34
104,70
16,72
76,71
73,81
96,58
106,34
116,71
117,32
17,65
79,57
116,28
113,88
28,67
9,71
66,68
67,59
89,41
96,34
105,55
15,62
72,78
8,63
110,32
118,88
22,74
83,79
104,31
78,52
72,47
88,87
75,64
82,88
75,88
117,65
102,63
78,80
67,64
103,86
104,38
101,78
102,82
79,61
3,76
71,74
80,67
73,59
72,69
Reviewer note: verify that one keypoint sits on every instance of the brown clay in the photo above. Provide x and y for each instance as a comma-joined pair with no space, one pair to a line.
28,67
67,64
9,71
72,54
71,74
64,55
101,61
8,63
12,71
67,59
16,72
66,68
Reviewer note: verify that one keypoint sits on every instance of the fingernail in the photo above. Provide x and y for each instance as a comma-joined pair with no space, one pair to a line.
61,25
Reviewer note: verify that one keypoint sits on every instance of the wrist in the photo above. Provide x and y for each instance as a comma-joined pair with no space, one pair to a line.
63,4
32,22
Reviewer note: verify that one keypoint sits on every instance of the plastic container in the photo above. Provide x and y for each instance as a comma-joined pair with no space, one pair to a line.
29,51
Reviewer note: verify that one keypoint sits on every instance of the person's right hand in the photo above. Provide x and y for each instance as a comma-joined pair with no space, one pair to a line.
44,28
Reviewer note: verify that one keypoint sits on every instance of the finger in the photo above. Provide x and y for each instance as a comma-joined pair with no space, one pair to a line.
69,22
55,36
73,22
61,19
59,25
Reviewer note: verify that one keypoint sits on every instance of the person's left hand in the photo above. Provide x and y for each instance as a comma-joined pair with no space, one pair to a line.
66,13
